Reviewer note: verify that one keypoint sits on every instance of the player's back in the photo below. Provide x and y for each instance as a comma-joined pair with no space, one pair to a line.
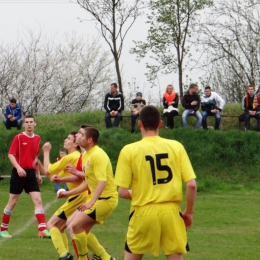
157,167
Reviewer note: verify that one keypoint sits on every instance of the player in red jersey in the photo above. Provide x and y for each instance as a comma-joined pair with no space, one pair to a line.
22,154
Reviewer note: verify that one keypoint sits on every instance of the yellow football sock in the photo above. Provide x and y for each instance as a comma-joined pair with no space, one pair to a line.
81,241
96,248
65,240
57,241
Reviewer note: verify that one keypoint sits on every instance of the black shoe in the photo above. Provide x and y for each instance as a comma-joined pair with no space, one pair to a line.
132,131
69,256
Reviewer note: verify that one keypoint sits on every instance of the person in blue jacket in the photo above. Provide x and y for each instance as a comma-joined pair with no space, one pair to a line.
13,115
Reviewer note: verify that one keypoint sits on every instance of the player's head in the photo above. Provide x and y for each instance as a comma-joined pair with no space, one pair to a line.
29,123
87,136
70,142
150,118
63,152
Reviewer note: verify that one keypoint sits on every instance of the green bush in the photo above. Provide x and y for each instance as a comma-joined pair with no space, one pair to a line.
218,157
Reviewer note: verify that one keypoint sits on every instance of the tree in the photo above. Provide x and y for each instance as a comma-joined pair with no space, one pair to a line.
171,23
53,78
115,18
232,42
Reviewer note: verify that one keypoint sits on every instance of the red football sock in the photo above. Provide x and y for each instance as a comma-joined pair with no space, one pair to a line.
75,248
39,214
5,219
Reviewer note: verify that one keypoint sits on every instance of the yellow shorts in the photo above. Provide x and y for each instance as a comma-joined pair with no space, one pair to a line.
102,208
71,204
156,226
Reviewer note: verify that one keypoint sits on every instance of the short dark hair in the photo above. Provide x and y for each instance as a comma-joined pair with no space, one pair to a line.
208,87
251,86
29,116
150,117
85,125
114,84
192,85
92,132
13,100
74,135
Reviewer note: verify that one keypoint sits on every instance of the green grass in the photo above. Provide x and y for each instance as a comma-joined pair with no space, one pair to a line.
226,164
225,227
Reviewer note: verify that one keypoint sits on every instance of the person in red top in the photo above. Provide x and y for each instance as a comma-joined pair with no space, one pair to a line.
170,103
22,154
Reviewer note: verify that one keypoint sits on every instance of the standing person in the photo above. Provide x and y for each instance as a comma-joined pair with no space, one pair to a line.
211,105
137,104
22,154
191,103
251,107
62,153
170,103
154,168
100,181
114,105
13,115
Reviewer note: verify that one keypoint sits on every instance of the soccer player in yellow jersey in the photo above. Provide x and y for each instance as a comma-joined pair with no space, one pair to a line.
58,222
100,181
57,170
155,168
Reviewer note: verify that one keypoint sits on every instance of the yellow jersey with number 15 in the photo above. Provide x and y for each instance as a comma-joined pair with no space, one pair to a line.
154,168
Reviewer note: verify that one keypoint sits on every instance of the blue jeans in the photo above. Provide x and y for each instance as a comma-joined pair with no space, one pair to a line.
116,121
57,186
17,123
204,119
197,114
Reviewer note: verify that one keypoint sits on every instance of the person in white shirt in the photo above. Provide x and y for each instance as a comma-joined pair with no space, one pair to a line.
211,105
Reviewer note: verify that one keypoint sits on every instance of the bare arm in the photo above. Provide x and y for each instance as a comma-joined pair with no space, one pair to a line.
71,178
125,193
191,192
73,170
82,187
21,172
39,166
46,155
98,191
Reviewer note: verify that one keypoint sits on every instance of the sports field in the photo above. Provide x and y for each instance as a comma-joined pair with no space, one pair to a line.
226,226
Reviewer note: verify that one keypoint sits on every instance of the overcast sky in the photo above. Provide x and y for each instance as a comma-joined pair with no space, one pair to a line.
55,17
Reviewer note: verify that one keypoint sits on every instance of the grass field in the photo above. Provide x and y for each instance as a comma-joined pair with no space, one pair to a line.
227,209
225,227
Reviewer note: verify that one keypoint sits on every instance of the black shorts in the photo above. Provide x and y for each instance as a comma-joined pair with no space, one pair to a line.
28,183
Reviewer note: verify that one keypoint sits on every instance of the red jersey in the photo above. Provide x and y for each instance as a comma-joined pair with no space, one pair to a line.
58,158
25,149
79,164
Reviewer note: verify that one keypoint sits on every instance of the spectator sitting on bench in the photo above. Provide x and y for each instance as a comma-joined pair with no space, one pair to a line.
113,104
137,104
13,115
251,107
170,103
211,105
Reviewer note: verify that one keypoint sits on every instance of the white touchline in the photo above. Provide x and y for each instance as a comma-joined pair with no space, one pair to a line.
29,222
